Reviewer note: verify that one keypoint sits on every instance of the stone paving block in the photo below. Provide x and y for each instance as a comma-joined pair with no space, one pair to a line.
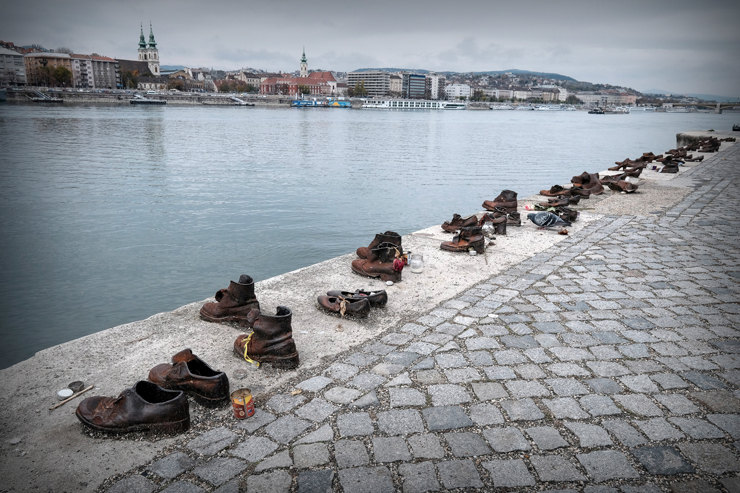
219,470
604,386
603,465
509,473
638,404
669,381
696,428
415,329
718,401
390,449
276,481
485,391
599,405
522,410
646,366
537,355
480,358
354,424
342,395
459,474
367,381
555,468
525,388
589,435
467,444
133,484
658,429
624,432
546,437
402,358
173,465
506,439
182,487
448,394
568,369
350,453
608,368
462,375
368,400
310,455
279,460
282,403
400,422
423,348
366,480
378,348
428,377
418,478
662,460
445,418
315,481
316,410
260,418
499,372
314,384
567,386
341,371
426,446
639,383
386,369
286,428
213,441
693,486
565,407
711,457
485,414
728,422
704,381
254,448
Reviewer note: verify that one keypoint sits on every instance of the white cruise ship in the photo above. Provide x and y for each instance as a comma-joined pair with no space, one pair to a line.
413,104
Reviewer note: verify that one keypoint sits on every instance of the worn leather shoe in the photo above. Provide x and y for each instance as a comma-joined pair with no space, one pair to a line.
346,307
376,298
233,303
192,375
144,407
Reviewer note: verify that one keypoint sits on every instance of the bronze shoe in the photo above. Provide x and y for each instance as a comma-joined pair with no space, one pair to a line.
506,200
191,374
376,298
270,342
388,237
233,304
458,222
143,407
346,307
375,268
465,240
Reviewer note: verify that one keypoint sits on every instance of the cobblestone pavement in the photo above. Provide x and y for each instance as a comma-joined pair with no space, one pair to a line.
608,363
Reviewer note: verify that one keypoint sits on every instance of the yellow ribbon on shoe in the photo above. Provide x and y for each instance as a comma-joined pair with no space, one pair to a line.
246,348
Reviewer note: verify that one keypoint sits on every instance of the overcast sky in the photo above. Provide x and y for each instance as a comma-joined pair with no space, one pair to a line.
681,46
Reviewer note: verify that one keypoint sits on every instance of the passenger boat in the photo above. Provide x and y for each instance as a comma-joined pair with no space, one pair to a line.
413,104
314,103
139,99
596,111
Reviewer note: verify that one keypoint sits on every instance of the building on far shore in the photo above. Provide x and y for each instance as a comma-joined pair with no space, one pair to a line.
145,71
12,68
414,86
320,83
39,65
95,71
376,82
458,91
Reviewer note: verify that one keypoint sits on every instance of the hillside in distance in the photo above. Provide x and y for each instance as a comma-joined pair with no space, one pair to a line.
544,75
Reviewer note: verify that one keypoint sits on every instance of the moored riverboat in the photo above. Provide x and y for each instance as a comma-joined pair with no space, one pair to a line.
139,99
413,104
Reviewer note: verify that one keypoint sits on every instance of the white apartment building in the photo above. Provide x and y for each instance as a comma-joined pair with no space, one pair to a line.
457,91
12,68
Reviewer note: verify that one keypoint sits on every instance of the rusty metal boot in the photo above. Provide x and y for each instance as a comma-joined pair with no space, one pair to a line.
233,304
506,199
496,223
468,238
271,340
387,237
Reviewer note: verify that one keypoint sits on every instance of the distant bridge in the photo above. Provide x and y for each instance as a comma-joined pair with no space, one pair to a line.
717,107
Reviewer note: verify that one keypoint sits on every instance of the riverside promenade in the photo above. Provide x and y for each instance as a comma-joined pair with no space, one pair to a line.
607,360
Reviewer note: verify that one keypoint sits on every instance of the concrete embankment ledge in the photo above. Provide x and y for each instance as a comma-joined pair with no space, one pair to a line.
606,357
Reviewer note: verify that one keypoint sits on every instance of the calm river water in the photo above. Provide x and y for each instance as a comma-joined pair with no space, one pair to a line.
111,214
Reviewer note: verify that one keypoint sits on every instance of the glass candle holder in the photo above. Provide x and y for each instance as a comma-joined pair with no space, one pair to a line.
416,262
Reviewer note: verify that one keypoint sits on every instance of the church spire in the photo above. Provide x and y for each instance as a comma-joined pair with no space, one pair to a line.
304,64
152,43
142,42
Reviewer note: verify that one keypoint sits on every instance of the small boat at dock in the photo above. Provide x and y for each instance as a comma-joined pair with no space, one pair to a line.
139,99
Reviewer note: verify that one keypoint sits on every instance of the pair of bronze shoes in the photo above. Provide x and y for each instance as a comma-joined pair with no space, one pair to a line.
159,405
352,304
468,238
383,258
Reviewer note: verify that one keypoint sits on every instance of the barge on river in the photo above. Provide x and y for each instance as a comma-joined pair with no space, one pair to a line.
139,99
413,104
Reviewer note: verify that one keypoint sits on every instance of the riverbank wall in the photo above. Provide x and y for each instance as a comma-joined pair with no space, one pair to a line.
50,450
